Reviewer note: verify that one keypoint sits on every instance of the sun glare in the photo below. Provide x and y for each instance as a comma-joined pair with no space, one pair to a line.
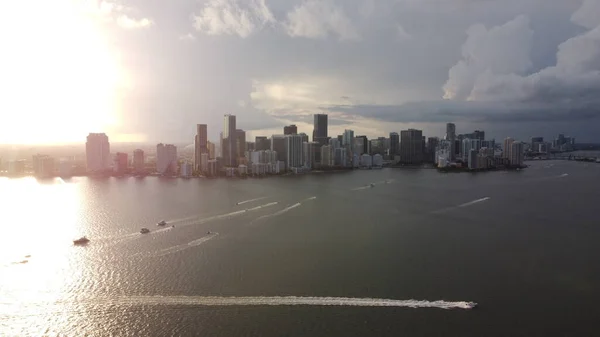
58,76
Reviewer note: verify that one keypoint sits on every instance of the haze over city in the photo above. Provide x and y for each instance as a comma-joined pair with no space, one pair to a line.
147,71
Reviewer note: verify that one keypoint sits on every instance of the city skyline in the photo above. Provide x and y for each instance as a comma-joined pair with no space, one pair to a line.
374,66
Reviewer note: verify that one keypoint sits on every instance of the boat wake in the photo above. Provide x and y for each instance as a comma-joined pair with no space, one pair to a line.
467,204
182,247
251,200
474,202
287,209
280,301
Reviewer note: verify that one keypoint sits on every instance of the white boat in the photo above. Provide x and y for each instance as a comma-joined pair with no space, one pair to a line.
162,223
144,231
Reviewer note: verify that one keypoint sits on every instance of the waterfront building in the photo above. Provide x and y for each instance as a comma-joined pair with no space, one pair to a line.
120,163
166,158
516,154
378,161
411,147
229,143
294,151
138,161
472,159
340,158
320,129
97,151
326,157
200,145
451,137
187,169
394,144
43,165
507,146
366,161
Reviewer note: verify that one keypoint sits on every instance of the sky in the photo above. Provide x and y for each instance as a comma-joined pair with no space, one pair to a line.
149,70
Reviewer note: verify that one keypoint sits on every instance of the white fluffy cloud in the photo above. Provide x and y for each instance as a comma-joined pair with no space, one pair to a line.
233,17
318,19
130,23
501,50
573,82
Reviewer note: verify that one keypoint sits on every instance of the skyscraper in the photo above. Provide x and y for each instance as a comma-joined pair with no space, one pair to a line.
166,158
229,147
394,144
516,153
97,151
120,163
411,147
138,160
451,136
290,129
320,129
364,142
240,143
507,147
294,151
200,145
261,143
278,144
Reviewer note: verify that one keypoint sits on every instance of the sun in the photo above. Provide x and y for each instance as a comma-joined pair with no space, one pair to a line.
58,75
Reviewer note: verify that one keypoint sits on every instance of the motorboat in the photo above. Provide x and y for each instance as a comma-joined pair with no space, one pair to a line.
81,241
372,185
144,231
172,226
162,223
209,232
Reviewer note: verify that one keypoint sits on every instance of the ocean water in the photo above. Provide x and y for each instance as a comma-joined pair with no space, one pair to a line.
310,255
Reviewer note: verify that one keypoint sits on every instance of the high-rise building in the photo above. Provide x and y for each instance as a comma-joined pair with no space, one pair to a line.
304,137
326,156
120,163
335,143
308,153
432,144
293,144
166,158
229,144
472,158
187,168
376,146
212,154
240,142
451,136
394,144
348,144
138,160
411,147
205,158
364,142
290,129
507,147
43,166
261,143
516,154
97,151
278,144
320,129
200,145
340,157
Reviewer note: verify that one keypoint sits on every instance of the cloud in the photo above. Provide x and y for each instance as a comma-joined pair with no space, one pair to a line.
502,50
587,15
233,17
402,34
129,23
570,89
187,37
318,19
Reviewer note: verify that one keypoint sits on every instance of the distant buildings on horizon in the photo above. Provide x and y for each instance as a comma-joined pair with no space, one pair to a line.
296,152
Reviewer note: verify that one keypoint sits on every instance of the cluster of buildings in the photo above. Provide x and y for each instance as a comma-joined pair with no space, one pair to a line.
472,151
296,152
